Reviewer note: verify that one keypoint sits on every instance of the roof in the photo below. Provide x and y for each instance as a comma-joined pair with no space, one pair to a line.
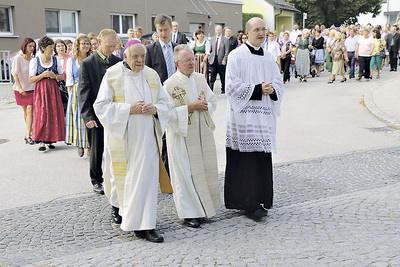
283,5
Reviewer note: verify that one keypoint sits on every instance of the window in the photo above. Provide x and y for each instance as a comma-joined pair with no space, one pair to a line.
61,22
121,23
5,21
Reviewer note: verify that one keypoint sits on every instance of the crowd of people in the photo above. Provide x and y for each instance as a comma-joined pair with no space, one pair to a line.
144,110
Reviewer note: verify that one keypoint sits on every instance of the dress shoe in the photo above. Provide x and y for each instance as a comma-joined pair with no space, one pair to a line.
81,151
42,148
98,189
115,217
150,235
257,214
191,222
51,146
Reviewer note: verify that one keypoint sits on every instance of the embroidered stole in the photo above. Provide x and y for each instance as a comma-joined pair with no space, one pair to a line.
115,81
200,146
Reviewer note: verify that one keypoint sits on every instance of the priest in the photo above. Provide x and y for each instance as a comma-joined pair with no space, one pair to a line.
190,141
254,92
134,110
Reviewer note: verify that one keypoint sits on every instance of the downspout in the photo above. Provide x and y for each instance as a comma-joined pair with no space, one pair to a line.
276,15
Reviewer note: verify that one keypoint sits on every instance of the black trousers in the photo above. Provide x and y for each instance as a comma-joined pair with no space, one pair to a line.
217,69
393,59
285,65
364,63
96,143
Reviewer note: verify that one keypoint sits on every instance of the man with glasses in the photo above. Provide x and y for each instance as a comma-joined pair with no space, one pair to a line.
254,92
191,147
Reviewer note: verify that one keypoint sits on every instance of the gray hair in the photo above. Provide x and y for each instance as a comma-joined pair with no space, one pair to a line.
161,19
178,49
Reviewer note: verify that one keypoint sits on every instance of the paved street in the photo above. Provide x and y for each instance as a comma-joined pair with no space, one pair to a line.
336,182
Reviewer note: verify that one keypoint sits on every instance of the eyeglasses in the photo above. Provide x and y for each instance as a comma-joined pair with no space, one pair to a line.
257,30
85,44
244,37
187,61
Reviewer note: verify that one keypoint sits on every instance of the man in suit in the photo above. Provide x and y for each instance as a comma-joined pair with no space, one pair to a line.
91,74
176,36
138,35
232,41
160,57
217,58
393,46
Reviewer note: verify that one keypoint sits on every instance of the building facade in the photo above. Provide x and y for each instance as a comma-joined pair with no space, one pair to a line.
66,19
275,12
390,13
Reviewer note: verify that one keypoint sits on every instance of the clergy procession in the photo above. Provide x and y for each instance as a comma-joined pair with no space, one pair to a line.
135,111
146,116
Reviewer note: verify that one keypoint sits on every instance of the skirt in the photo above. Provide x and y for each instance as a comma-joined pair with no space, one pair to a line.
197,67
24,100
319,57
338,67
303,62
75,129
328,60
48,114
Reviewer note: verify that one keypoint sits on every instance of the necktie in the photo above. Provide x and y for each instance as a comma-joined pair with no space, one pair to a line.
168,60
216,47
173,38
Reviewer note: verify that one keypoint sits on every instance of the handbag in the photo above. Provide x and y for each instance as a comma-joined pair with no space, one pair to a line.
64,94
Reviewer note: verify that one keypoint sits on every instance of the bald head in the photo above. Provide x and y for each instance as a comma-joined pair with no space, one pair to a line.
256,30
252,21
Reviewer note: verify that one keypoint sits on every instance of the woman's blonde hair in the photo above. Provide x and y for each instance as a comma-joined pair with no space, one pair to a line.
79,39
120,45
338,36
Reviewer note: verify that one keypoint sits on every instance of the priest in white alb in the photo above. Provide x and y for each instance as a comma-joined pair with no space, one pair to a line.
190,141
134,110
254,91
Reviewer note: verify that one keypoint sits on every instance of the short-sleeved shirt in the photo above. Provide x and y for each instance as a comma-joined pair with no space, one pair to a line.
33,68
20,67
364,46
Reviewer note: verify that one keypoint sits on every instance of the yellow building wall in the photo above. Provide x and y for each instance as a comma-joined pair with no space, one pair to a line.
284,18
251,6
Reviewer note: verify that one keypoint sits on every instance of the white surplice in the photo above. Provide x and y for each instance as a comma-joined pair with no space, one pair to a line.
251,124
139,209
187,200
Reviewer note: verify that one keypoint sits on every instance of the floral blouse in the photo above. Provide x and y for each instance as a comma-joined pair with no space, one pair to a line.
338,50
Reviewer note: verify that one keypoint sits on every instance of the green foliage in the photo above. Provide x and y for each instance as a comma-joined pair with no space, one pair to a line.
247,16
334,12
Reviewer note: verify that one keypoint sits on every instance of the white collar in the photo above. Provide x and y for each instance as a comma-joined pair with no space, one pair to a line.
163,44
182,76
255,47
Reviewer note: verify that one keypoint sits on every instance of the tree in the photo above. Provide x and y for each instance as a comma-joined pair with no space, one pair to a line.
247,16
334,12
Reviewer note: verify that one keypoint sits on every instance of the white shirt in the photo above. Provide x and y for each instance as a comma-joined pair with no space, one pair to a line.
293,36
351,43
33,66
174,37
273,48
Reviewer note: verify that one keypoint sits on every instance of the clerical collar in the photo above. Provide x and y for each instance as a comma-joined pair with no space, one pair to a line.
255,50
126,65
183,75
130,69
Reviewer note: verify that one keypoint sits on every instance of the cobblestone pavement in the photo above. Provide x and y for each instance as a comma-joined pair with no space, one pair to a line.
342,210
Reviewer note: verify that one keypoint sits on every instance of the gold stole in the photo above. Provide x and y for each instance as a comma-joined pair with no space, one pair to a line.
201,146
115,81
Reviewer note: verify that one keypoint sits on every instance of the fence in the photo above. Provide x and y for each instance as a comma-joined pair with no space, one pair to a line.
5,66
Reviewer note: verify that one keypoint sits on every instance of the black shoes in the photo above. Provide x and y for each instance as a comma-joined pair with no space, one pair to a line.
150,235
257,214
115,217
51,146
193,222
98,189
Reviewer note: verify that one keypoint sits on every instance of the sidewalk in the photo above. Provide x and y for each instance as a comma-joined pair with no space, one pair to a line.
383,101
